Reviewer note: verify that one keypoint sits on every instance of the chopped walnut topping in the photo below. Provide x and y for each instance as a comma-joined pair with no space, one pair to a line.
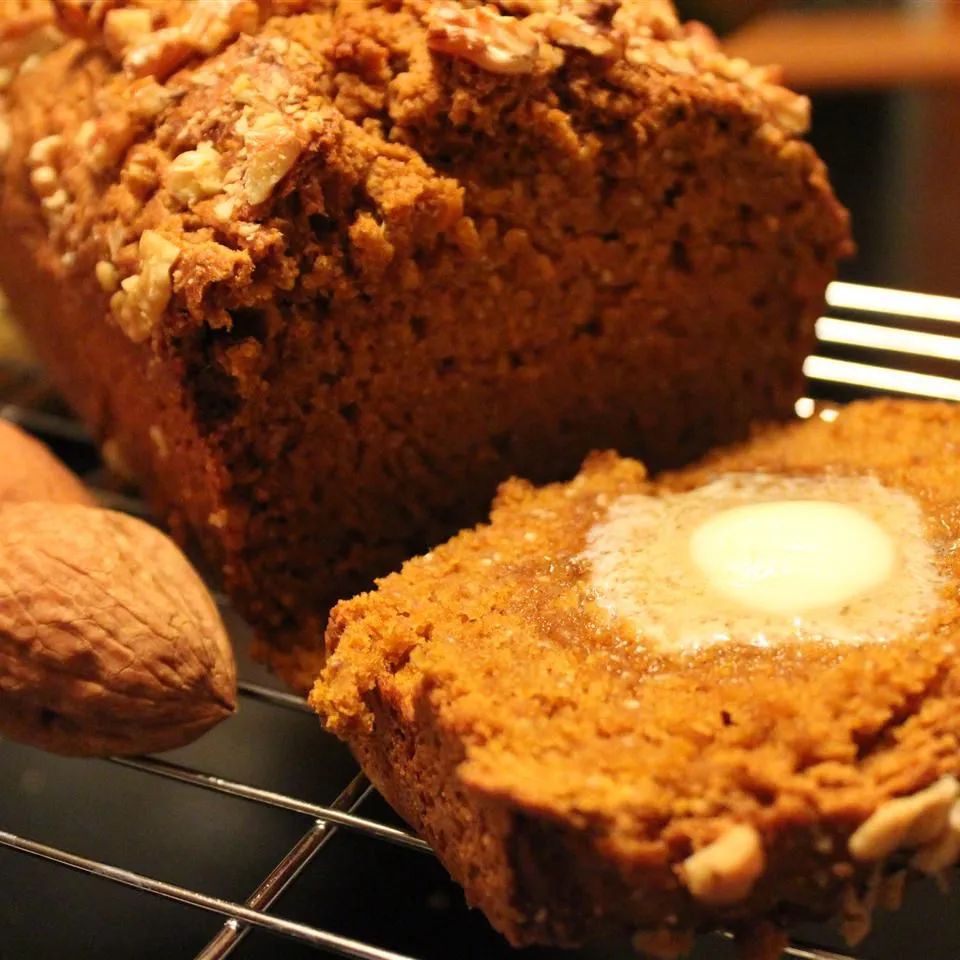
568,30
219,519
211,25
243,89
44,180
46,151
272,147
647,18
85,134
195,174
56,201
673,55
108,141
224,209
107,276
124,28
789,109
725,871
149,98
159,54
492,42
909,822
142,298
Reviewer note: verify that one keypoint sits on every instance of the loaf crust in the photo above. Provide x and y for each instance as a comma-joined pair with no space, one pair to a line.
323,274
566,776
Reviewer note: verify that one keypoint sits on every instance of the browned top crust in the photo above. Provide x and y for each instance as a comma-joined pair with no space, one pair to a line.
190,121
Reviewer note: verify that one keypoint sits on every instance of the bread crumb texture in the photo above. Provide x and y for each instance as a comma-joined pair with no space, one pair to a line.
359,261
579,781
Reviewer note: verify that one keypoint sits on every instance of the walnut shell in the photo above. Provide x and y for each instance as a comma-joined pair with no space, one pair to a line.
31,472
109,641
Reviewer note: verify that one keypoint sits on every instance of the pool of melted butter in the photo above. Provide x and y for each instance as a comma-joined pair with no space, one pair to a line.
764,560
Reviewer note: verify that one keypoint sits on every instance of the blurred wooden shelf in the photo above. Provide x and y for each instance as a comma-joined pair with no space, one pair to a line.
855,49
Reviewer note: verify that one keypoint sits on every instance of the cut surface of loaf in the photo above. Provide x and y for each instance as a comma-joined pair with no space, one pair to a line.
585,765
325,273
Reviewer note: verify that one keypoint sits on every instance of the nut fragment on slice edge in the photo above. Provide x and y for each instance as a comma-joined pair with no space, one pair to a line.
142,298
924,821
725,871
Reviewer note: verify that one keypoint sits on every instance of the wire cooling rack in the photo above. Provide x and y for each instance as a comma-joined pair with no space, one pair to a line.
873,340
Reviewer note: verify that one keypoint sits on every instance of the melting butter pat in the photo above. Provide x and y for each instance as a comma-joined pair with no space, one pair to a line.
764,560
791,556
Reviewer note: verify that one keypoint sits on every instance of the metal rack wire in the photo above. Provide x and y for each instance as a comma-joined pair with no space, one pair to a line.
874,340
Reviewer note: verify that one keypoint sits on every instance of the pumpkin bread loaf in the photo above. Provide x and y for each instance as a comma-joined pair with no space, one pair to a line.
323,273
730,697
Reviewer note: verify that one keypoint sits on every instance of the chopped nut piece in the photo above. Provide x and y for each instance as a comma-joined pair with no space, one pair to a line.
218,519
223,210
85,134
160,53
142,298
111,137
56,201
107,276
210,26
272,149
46,150
790,110
124,27
725,871
649,18
905,821
44,180
568,30
195,174
944,851
491,42
149,98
